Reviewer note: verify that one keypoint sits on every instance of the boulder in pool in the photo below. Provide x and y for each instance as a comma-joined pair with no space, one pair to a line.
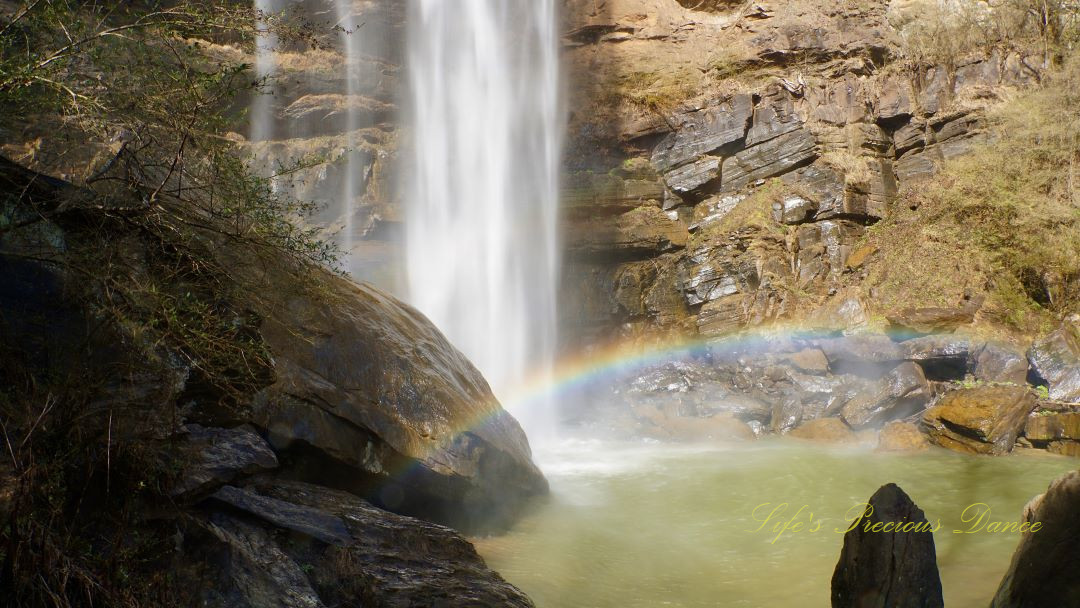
1043,568
900,436
881,567
825,430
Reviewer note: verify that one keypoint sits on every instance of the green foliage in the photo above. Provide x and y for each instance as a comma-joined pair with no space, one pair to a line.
1043,392
125,102
1003,219
944,32
137,76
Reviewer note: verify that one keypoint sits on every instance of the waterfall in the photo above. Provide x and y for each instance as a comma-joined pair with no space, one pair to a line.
350,187
481,184
342,181
262,111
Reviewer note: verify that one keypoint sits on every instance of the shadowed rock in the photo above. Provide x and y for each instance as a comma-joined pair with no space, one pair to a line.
303,520
215,457
289,544
1043,569
881,568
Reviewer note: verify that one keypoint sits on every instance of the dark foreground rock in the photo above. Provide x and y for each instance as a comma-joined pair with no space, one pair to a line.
291,544
883,568
1043,568
215,457
984,420
293,373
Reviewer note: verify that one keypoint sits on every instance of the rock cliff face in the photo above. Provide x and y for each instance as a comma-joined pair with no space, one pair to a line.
727,158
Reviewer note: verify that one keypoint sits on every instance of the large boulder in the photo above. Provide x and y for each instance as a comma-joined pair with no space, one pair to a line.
888,559
286,544
983,420
824,430
1056,359
1042,572
902,392
369,382
900,436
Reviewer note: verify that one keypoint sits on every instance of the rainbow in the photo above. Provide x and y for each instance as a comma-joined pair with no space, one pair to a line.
618,358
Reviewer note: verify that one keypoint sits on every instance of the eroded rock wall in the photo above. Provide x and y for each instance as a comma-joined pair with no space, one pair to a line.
725,159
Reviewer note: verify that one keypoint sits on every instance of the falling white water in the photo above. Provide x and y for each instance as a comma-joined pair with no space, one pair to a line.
340,188
350,39
481,188
262,111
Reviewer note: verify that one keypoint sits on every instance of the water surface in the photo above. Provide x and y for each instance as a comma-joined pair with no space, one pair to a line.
657,525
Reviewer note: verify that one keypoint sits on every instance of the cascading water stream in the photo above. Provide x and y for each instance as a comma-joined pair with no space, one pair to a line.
482,189
262,111
350,41
342,192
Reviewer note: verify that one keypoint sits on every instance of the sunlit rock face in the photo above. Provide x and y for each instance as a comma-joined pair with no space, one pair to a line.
771,134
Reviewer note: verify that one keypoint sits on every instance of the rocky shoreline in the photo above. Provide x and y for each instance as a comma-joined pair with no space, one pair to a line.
900,392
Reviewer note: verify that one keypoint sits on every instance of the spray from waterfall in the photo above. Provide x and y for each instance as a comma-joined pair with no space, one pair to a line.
482,183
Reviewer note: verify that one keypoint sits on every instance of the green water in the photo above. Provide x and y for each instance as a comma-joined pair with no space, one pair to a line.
651,525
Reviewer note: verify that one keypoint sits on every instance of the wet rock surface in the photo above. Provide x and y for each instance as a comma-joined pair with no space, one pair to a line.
1056,359
899,436
824,430
289,543
902,392
983,420
215,457
949,390
885,568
